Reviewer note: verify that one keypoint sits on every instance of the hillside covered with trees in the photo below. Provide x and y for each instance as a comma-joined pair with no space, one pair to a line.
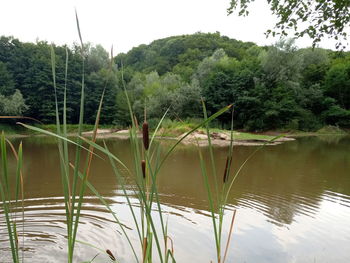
277,87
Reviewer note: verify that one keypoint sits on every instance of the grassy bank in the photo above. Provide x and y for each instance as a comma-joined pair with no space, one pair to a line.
326,130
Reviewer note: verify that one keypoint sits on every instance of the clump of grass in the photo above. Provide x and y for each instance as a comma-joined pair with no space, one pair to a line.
331,130
8,129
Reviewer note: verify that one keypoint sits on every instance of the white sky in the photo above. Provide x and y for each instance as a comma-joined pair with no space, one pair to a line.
128,23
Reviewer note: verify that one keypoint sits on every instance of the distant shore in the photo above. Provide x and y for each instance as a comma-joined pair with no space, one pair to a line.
199,137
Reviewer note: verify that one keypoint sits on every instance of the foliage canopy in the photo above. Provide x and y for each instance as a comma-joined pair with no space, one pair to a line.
275,87
316,18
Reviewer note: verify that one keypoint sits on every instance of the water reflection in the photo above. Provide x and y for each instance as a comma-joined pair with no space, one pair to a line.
293,204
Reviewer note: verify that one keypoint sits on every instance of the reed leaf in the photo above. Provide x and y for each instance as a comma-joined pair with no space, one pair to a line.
6,200
121,182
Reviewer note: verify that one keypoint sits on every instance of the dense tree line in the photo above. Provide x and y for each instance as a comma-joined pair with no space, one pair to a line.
25,69
276,87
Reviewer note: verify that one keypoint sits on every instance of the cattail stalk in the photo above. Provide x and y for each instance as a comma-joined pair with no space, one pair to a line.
145,135
143,167
144,248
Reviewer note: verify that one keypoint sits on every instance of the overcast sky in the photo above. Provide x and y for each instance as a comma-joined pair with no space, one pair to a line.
128,23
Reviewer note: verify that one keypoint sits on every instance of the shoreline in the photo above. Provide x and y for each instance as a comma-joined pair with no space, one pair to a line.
219,138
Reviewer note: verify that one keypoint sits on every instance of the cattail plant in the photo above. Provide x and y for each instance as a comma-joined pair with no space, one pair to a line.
218,198
110,254
5,194
143,167
145,135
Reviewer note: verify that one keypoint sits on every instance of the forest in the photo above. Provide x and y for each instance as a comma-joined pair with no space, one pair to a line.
279,87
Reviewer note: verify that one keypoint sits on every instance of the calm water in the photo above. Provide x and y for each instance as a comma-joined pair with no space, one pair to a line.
292,201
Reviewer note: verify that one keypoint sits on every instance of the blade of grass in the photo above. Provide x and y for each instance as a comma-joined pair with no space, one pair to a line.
122,184
64,176
79,141
56,136
87,170
222,204
19,184
158,126
211,154
229,235
20,117
89,160
19,188
5,196
210,199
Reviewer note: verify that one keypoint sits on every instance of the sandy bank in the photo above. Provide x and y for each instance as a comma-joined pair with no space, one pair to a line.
195,138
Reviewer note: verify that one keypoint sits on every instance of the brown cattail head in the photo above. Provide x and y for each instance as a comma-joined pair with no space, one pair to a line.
227,168
145,135
143,166
110,254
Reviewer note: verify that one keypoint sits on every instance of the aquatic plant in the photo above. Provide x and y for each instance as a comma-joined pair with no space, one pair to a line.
10,206
218,197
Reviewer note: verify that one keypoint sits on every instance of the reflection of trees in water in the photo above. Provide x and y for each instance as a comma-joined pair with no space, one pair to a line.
280,181
332,139
293,178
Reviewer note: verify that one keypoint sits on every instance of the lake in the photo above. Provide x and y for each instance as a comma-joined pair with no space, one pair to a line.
292,202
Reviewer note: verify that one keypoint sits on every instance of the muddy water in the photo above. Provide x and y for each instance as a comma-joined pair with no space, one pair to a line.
292,202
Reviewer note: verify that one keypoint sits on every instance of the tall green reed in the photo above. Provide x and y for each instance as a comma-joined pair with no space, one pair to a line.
9,204
73,191
223,185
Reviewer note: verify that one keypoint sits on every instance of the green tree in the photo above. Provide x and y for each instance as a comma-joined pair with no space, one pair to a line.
13,105
281,63
226,81
337,83
187,101
335,115
315,64
179,54
97,58
96,83
6,81
325,18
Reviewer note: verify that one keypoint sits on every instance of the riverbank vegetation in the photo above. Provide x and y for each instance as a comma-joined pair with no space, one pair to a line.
279,87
